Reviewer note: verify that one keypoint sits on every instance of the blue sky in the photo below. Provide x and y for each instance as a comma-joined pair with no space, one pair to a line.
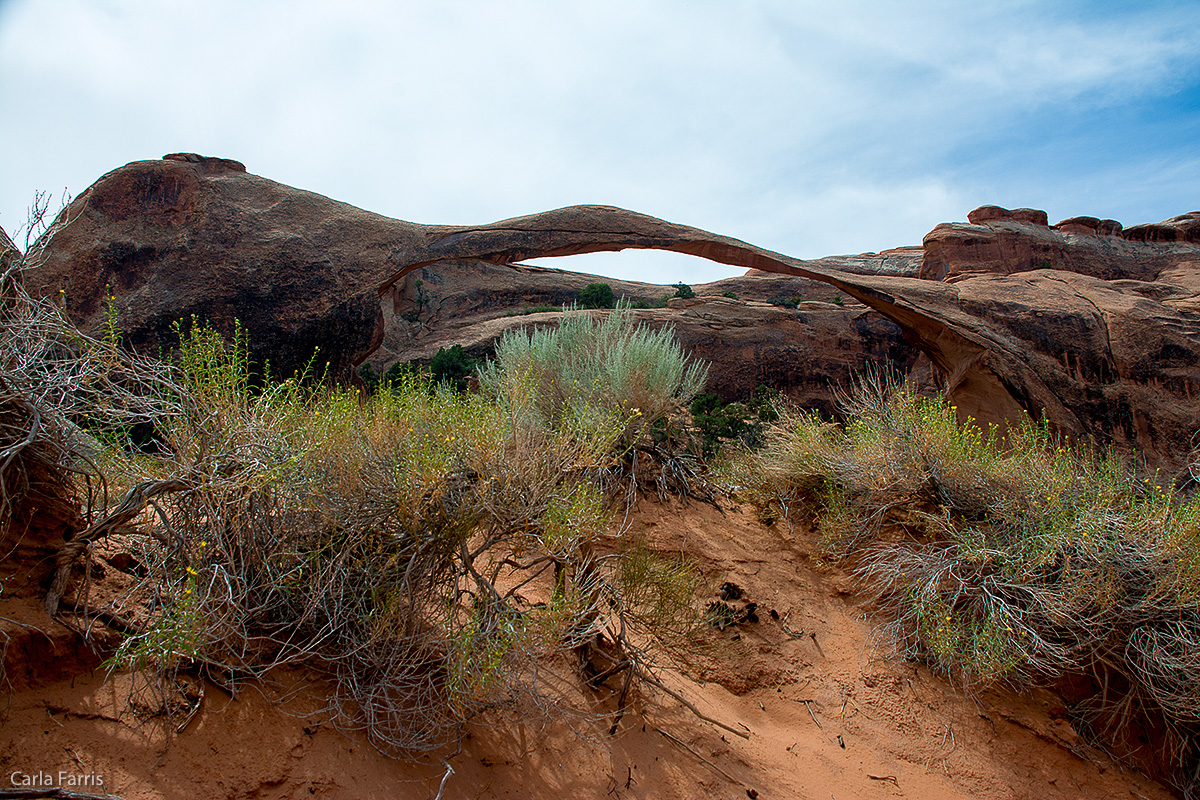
809,128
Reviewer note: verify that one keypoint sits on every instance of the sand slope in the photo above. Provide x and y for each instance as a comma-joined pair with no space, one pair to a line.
827,717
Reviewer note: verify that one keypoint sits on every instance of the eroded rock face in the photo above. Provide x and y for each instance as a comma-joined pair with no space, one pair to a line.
177,237
1111,360
1098,332
1184,228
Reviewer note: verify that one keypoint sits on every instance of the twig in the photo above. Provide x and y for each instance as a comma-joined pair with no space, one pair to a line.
791,634
74,756
648,677
621,702
192,712
722,772
807,704
134,502
449,768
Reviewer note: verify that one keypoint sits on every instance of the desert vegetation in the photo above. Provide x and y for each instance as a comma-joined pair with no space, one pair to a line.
432,552
597,295
1016,558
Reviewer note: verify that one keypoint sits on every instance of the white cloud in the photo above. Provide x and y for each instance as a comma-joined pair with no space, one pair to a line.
807,127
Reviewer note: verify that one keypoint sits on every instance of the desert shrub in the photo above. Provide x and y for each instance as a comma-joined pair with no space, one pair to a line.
716,421
423,300
597,295
719,422
61,393
732,295
764,402
453,367
1017,558
434,553
588,372
684,291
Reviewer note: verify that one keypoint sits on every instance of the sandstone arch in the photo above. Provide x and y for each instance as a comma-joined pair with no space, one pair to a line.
191,235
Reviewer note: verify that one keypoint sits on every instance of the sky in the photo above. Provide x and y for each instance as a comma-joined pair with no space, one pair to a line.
810,128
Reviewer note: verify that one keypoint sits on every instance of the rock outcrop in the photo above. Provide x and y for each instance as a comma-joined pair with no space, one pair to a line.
1099,332
998,241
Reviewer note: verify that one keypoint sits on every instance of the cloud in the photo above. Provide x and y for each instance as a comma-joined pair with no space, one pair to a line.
806,127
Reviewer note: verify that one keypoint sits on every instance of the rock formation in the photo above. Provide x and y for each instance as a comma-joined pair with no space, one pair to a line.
1098,331
999,241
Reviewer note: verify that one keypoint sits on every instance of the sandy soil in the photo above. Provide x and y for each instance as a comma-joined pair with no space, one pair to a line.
826,717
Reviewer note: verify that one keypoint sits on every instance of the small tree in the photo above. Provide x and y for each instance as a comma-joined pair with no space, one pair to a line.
597,295
453,366
684,291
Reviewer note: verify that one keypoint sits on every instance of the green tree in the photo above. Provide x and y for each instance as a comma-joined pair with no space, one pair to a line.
453,366
597,295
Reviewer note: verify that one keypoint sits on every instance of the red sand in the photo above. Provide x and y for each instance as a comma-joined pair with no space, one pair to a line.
870,728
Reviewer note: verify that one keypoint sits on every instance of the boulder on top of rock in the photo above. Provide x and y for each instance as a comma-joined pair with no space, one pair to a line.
1089,225
1152,232
1188,224
986,214
209,165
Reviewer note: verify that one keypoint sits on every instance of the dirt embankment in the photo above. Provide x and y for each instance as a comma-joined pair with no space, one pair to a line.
826,714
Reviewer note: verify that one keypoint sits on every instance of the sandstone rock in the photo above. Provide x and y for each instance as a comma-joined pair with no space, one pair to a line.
986,214
1184,228
190,235
954,249
1108,360
902,262
1089,225
1188,225
207,164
